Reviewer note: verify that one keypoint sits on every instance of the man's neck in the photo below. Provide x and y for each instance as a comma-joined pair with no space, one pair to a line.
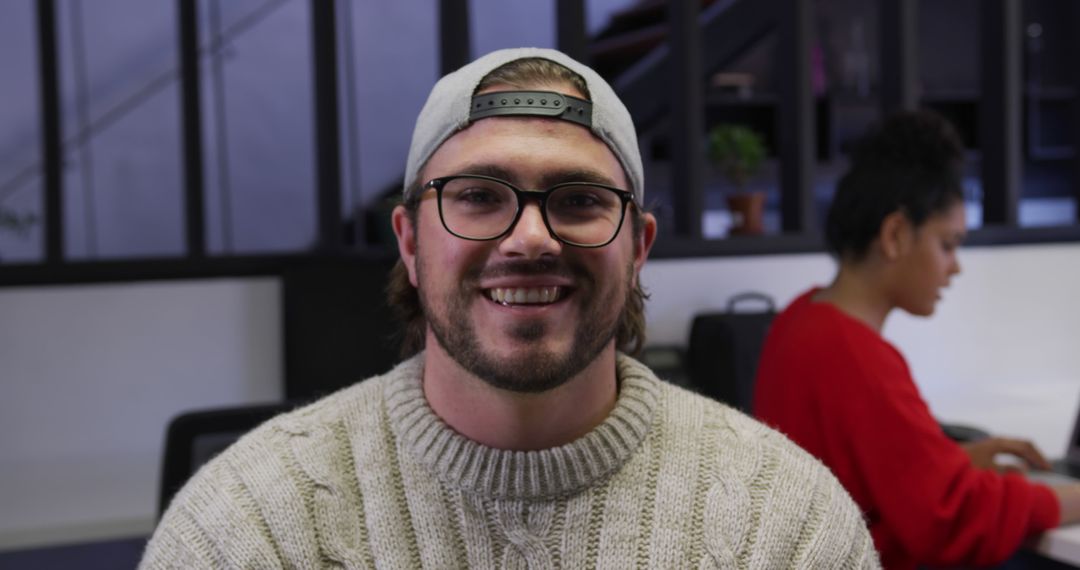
519,421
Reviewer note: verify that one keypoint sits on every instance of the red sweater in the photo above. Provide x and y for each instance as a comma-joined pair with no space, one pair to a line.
844,394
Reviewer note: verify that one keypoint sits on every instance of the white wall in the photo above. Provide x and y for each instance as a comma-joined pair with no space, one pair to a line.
1003,350
92,374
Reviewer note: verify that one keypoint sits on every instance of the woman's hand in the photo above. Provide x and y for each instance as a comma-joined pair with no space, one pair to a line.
983,454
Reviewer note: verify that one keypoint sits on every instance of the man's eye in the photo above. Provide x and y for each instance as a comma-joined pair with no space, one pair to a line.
581,199
478,196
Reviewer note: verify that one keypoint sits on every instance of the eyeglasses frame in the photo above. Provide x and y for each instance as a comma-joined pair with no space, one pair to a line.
540,196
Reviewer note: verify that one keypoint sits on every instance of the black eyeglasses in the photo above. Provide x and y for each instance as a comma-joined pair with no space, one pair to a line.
481,208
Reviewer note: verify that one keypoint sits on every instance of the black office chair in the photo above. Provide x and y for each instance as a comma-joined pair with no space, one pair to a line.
725,347
193,438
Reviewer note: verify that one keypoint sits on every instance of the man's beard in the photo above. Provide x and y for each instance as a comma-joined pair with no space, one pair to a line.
533,369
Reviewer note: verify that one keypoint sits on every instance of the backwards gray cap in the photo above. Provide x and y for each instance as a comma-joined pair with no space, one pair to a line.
448,108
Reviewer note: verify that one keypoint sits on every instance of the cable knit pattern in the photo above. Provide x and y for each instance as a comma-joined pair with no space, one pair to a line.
371,477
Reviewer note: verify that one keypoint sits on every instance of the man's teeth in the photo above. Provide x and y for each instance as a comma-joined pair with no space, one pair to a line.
525,295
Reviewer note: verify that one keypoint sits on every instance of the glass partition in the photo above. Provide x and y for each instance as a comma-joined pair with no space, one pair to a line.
21,236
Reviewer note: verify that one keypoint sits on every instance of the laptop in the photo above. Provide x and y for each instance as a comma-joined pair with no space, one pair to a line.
1067,469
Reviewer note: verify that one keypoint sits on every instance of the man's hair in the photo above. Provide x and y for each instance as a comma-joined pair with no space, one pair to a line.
912,163
532,73
404,299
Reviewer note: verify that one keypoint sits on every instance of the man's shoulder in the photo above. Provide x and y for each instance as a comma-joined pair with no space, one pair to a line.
290,437
684,405
260,484
756,482
321,414
725,429
333,407
734,432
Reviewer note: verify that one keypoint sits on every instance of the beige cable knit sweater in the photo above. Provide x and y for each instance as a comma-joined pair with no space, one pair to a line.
371,477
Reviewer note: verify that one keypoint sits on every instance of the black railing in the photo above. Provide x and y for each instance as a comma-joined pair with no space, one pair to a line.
899,40
1074,19
51,133
571,34
327,137
453,34
191,114
687,87
191,117
795,125
1000,111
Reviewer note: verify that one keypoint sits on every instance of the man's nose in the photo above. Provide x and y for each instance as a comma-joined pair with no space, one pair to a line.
530,236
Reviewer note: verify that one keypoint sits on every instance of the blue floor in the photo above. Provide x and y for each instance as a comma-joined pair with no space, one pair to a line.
108,555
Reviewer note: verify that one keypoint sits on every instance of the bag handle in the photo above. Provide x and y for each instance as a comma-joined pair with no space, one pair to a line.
751,296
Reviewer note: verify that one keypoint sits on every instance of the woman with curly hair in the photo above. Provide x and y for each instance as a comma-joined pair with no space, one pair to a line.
832,383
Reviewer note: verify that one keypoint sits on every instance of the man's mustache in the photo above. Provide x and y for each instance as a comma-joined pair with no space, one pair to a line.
530,268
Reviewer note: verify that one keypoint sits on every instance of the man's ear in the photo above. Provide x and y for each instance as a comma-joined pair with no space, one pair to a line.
405,232
644,242
895,235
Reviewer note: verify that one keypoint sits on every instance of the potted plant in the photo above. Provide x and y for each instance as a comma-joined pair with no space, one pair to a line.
13,222
739,152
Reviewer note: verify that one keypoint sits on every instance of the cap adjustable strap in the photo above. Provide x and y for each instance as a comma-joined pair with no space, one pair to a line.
532,103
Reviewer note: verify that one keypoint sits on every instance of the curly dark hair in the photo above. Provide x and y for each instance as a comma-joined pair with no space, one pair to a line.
911,162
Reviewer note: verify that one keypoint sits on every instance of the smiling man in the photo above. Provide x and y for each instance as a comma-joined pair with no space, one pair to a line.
517,433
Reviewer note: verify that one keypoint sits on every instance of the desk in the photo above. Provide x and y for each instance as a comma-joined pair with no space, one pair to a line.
1061,544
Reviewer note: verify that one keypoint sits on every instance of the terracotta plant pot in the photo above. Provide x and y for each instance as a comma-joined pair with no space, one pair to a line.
747,213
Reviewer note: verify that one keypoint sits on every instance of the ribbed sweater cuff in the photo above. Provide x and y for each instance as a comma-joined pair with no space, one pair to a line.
1046,512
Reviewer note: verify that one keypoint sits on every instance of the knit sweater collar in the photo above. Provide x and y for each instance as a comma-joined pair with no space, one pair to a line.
528,475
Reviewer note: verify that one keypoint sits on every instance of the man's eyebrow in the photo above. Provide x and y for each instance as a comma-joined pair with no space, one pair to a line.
491,170
576,175
548,179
